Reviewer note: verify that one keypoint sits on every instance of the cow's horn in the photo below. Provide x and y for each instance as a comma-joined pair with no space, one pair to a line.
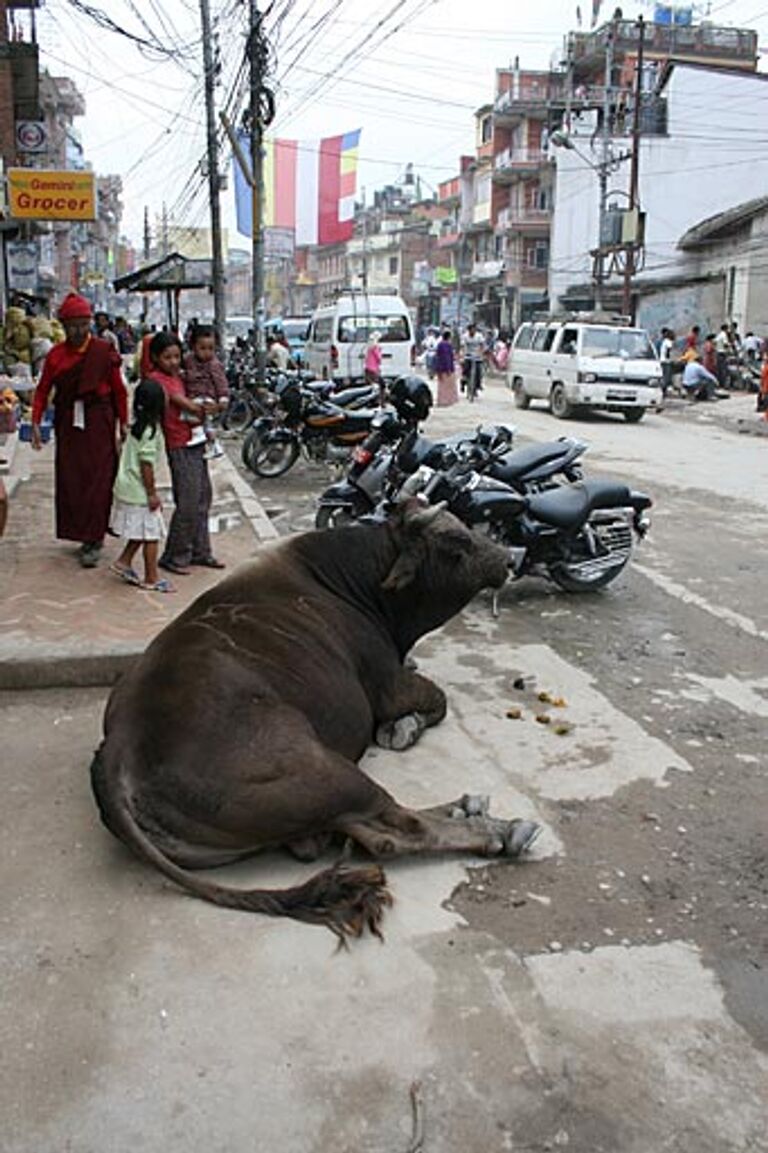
425,516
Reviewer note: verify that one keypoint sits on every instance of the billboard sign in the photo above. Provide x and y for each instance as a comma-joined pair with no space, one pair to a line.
51,194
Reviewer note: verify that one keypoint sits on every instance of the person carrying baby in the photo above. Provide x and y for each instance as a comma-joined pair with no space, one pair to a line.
205,379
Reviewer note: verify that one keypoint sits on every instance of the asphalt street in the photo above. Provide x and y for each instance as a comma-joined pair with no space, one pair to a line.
609,995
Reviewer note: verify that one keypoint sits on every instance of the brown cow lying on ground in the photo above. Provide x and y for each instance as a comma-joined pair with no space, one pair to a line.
240,727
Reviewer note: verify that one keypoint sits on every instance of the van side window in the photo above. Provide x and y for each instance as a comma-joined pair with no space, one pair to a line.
569,341
542,341
323,328
524,337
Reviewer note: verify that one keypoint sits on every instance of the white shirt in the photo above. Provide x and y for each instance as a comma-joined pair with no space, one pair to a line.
665,349
722,342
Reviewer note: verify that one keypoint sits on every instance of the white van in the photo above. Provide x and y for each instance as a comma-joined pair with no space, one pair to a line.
339,333
579,364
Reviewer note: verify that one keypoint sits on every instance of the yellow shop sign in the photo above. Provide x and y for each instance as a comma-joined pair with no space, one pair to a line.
50,194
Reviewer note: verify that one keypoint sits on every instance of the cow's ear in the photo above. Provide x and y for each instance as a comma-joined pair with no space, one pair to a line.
404,569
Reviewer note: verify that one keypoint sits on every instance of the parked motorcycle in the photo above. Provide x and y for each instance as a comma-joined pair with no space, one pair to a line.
325,425
395,449
579,535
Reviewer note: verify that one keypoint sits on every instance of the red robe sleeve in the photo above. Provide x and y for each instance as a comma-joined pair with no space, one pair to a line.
44,385
119,392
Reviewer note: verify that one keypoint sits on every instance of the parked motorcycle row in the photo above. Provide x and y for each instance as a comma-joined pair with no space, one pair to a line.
534,501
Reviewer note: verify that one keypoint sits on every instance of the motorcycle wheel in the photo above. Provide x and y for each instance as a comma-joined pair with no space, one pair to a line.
273,458
336,516
238,415
570,583
251,442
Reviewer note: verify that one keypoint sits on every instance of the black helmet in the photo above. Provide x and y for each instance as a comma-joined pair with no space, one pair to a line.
412,397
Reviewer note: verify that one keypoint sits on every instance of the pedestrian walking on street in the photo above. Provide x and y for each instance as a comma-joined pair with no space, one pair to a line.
90,406
372,364
666,356
473,358
762,396
188,542
692,339
445,370
137,516
723,349
709,354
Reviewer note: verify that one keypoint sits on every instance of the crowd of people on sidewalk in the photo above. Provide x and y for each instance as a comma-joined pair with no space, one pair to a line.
712,365
105,466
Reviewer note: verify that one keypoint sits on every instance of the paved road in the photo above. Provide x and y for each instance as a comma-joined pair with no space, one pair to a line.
609,996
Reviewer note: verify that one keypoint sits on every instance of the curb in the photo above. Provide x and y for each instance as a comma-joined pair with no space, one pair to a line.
57,669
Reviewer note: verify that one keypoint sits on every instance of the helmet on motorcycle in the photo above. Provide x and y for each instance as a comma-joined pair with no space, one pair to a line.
411,397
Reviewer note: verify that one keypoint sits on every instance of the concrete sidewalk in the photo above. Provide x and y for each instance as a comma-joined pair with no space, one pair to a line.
61,625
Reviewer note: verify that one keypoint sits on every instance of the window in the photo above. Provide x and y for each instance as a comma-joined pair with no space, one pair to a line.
524,336
357,329
627,343
538,254
393,263
323,329
486,129
568,341
542,341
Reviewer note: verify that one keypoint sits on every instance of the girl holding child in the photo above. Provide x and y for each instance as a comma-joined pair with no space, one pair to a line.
188,540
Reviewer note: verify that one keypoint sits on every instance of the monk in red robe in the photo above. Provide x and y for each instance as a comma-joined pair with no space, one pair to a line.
90,404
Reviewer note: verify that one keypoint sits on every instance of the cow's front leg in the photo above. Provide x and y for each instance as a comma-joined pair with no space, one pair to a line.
409,705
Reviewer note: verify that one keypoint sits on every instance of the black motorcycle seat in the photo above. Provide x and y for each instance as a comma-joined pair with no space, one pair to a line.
522,460
347,395
569,506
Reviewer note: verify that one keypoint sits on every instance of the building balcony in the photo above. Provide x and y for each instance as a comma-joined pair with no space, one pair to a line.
512,163
525,101
448,239
532,221
520,274
702,42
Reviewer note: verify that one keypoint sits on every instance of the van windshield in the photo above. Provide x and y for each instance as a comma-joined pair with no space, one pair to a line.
627,343
357,329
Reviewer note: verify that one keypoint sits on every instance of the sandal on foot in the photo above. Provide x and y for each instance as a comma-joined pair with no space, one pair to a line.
126,573
159,586
209,562
171,566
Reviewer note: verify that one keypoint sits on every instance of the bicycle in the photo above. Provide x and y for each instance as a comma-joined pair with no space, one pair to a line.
474,379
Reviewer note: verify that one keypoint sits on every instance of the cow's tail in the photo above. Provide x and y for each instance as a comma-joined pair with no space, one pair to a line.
346,900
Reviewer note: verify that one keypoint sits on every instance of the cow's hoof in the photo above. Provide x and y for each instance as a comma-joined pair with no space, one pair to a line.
476,804
520,837
402,733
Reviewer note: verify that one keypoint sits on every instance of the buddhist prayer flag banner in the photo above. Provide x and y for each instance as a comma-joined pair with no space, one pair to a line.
309,186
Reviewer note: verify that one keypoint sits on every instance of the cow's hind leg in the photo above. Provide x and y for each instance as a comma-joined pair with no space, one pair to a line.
462,826
411,704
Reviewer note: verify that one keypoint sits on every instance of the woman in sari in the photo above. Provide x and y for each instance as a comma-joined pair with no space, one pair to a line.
90,403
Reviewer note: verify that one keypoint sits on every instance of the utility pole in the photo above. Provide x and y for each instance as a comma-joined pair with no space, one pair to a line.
629,265
261,102
147,242
599,267
365,244
217,262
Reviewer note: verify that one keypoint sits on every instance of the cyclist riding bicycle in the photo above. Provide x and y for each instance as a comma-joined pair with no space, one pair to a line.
473,357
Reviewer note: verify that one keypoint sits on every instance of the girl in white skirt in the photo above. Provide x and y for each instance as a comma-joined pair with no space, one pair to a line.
136,510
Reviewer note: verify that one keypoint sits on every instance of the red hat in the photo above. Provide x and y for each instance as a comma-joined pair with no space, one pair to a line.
75,307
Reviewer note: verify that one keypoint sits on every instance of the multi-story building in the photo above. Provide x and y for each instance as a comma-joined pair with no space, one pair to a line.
523,111
687,121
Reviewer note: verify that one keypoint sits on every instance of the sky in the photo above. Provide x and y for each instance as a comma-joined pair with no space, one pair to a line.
409,73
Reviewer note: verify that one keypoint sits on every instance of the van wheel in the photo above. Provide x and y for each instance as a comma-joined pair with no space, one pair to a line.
519,395
559,402
633,415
